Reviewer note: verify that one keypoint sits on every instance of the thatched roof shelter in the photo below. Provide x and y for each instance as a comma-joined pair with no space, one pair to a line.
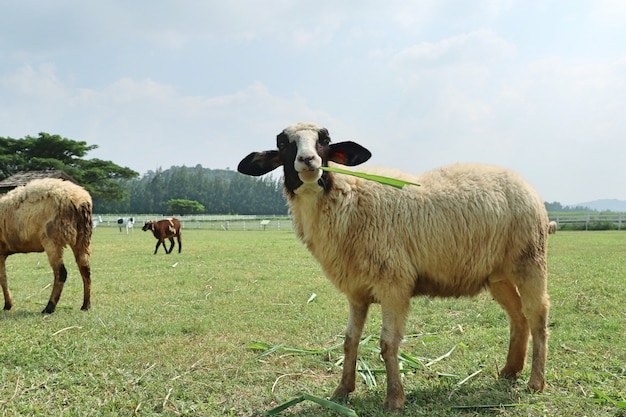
24,177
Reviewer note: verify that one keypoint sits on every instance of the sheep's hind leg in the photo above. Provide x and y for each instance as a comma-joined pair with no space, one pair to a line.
8,300
171,245
394,318
505,293
356,321
60,276
536,306
82,260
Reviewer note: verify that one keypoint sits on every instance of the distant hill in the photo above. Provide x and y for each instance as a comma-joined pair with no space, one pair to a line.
604,205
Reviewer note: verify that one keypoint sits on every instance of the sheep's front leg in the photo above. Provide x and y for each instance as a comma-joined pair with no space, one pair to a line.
356,320
394,318
8,300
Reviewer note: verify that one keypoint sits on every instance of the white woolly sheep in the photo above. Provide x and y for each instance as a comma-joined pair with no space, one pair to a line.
552,226
47,215
466,228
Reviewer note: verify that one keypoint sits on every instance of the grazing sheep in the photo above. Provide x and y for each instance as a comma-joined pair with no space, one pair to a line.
466,228
47,215
552,226
164,229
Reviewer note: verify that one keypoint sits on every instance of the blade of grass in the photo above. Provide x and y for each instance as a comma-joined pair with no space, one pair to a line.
268,349
284,406
441,357
364,370
338,408
488,406
394,182
603,396
412,361
464,380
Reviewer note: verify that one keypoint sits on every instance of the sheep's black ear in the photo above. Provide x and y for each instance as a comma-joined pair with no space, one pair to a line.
259,163
348,153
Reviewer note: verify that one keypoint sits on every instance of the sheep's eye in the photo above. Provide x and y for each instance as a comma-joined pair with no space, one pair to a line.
324,140
282,145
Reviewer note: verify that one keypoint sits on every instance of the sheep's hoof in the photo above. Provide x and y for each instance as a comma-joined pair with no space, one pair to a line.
509,373
7,306
85,307
49,308
394,405
536,384
341,393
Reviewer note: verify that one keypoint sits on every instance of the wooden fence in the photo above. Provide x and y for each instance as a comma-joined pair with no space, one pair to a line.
205,221
590,221
587,221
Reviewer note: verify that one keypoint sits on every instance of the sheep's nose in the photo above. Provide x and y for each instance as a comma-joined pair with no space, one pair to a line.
307,160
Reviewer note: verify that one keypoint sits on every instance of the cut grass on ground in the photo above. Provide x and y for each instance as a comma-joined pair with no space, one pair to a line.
230,327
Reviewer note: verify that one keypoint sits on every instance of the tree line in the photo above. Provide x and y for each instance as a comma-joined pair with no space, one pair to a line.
218,191
555,206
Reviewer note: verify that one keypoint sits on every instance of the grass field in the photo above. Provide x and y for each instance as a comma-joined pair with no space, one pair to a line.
173,335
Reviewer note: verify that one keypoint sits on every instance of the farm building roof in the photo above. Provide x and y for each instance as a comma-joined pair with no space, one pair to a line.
24,177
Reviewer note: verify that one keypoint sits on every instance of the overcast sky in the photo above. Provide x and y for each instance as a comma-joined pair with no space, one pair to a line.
537,86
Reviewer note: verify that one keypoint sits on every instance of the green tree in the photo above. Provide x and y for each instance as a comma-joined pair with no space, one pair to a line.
182,206
53,152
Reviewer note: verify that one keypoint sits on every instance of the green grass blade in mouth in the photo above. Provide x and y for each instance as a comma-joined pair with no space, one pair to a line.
394,182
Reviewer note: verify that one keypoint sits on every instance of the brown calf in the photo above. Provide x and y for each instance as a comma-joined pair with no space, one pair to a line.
164,229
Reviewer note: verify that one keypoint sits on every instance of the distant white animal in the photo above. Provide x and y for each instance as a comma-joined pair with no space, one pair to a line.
126,222
96,222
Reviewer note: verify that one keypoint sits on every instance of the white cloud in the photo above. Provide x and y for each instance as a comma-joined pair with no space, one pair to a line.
41,82
480,46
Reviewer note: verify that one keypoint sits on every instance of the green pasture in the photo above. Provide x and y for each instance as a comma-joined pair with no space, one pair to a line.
242,322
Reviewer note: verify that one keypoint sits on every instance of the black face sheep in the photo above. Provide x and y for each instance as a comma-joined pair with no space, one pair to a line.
164,229
47,215
466,228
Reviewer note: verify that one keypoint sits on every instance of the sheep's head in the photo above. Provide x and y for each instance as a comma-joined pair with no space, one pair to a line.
147,225
302,150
